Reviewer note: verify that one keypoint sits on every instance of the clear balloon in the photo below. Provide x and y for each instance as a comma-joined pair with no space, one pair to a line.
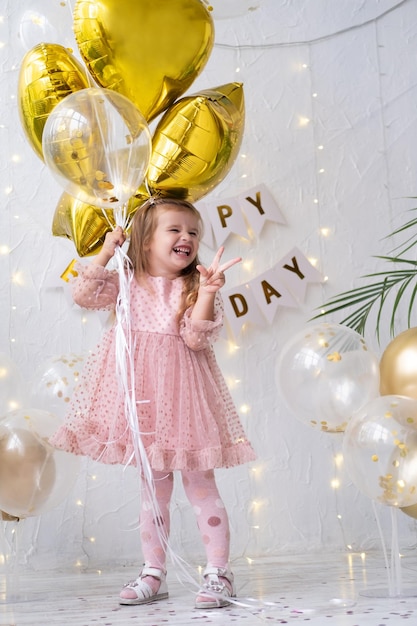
54,382
150,51
196,142
49,73
50,22
380,450
398,365
34,476
97,144
325,373
13,388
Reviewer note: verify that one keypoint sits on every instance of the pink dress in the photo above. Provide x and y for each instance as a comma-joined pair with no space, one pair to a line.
188,420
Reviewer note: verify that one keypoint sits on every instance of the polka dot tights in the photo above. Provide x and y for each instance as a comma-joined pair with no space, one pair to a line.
213,523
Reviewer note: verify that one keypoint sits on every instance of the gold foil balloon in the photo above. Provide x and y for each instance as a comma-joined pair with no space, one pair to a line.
48,74
398,365
34,476
196,142
83,224
380,450
150,51
97,144
325,373
86,225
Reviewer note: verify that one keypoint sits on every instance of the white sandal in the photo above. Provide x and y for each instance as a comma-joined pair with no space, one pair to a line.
215,593
144,593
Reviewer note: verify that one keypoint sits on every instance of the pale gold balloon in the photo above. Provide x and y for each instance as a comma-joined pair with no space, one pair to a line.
27,472
196,142
6,517
411,511
148,50
398,365
48,73
86,225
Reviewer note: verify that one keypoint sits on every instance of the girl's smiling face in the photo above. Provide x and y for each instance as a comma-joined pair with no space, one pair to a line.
174,243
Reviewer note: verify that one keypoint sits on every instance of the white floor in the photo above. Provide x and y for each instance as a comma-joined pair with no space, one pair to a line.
342,589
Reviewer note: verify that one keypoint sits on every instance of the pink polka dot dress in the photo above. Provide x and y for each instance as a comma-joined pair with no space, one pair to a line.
186,416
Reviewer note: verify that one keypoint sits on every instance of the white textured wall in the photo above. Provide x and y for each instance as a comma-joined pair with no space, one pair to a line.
349,67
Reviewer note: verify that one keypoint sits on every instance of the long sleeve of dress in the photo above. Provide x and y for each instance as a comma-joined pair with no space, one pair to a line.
200,334
95,287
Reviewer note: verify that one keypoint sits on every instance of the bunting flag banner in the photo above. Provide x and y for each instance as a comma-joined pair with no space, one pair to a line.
297,272
259,205
270,293
241,307
226,219
284,285
240,215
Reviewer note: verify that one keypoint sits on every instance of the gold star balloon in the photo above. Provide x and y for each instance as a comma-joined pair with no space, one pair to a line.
86,225
196,142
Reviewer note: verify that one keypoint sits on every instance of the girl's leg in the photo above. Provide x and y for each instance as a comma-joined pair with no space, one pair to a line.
212,519
154,528
213,522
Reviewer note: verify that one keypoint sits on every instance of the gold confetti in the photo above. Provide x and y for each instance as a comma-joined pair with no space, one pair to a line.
334,356
105,184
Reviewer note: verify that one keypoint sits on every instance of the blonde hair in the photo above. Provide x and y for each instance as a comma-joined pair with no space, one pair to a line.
144,223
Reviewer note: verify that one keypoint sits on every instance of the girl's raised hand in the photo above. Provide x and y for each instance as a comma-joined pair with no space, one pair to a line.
112,240
212,278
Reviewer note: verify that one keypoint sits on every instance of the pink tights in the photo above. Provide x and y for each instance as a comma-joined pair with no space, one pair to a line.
212,520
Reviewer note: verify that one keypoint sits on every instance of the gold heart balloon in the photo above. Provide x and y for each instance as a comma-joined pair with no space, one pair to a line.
196,142
48,73
86,225
148,50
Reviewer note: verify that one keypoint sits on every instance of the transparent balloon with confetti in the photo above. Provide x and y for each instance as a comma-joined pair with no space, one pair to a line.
54,381
325,373
380,450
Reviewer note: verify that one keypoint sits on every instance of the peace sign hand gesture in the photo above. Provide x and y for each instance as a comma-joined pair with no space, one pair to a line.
212,278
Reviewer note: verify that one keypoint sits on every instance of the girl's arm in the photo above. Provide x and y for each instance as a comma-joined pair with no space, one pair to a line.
95,287
112,240
211,280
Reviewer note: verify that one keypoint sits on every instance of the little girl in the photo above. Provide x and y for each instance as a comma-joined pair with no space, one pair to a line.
185,413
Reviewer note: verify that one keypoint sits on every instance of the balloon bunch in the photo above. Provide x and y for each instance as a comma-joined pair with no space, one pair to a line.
330,380
90,125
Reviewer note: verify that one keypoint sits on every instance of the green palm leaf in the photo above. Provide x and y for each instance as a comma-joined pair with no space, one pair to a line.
389,286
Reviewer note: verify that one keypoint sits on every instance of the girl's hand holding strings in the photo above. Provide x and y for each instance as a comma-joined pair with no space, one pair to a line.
212,278
112,240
